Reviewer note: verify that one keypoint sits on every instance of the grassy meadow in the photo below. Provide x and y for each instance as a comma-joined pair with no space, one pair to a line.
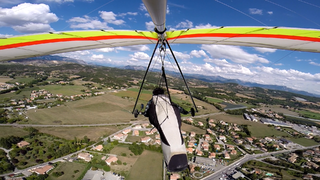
71,170
94,110
12,131
147,167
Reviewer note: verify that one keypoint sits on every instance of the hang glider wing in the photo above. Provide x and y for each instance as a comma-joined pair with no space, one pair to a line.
59,42
273,37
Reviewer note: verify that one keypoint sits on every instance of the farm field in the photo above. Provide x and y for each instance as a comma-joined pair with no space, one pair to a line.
12,131
303,141
127,161
71,170
189,128
94,110
13,95
4,79
69,133
66,90
147,167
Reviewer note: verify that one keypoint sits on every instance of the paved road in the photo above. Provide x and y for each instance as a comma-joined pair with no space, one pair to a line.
218,174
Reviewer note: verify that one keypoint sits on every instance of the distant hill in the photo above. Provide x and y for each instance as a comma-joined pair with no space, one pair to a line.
48,60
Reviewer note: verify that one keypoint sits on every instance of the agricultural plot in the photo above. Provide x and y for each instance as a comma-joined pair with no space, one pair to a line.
6,131
4,79
69,133
66,90
124,155
94,110
189,128
303,141
25,93
70,170
147,167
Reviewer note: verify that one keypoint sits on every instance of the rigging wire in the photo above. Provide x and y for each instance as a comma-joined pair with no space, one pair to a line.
309,3
293,12
241,12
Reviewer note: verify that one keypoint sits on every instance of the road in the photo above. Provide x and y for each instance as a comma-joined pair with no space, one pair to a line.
218,174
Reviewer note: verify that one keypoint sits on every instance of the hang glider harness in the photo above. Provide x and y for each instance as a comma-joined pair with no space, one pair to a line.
162,48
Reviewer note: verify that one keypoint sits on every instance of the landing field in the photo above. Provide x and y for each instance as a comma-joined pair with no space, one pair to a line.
12,131
94,110
147,167
69,133
71,170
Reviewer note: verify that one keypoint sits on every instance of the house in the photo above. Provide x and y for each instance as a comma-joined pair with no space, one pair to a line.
148,133
42,170
205,146
293,158
249,139
157,136
192,134
22,144
174,176
200,123
217,147
231,147
145,125
233,152
85,156
190,144
111,159
138,126
126,131
238,141
157,142
207,137
222,138
98,148
119,136
189,150
199,153
226,156
145,139
268,139
212,155
136,133
209,131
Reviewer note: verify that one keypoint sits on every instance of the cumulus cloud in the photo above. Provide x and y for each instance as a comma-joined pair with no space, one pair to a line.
314,63
206,26
110,17
128,13
233,53
270,12
265,50
185,24
150,26
28,18
278,64
139,56
134,48
105,49
198,54
56,1
97,56
255,11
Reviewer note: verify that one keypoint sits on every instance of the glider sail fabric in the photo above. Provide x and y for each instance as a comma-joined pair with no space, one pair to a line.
295,39
59,42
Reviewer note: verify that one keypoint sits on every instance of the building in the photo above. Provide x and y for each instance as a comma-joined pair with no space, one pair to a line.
226,156
85,156
22,144
126,131
145,139
136,133
42,170
212,155
217,147
119,136
111,159
98,148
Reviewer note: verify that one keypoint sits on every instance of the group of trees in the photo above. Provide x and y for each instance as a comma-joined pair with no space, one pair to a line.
137,149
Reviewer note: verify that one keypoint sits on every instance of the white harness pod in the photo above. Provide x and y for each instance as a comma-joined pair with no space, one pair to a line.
166,118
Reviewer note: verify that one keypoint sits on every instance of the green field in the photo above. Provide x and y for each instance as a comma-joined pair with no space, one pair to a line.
21,80
309,114
94,110
214,100
69,133
303,141
147,167
66,90
25,93
12,131
69,169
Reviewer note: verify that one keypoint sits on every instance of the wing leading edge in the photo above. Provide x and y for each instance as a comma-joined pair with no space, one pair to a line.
59,42
267,37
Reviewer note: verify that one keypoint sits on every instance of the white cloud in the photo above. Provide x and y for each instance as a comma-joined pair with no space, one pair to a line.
255,11
28,18
97,56
110,17
264,50
56,1
143,7
128,13
278,64
181,56
314,63
201,26
270,12
150,26
134,48
105,49
139,56
198,54
5,35
185,24
233,53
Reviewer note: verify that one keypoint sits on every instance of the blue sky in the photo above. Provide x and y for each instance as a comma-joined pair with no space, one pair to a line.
297,70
